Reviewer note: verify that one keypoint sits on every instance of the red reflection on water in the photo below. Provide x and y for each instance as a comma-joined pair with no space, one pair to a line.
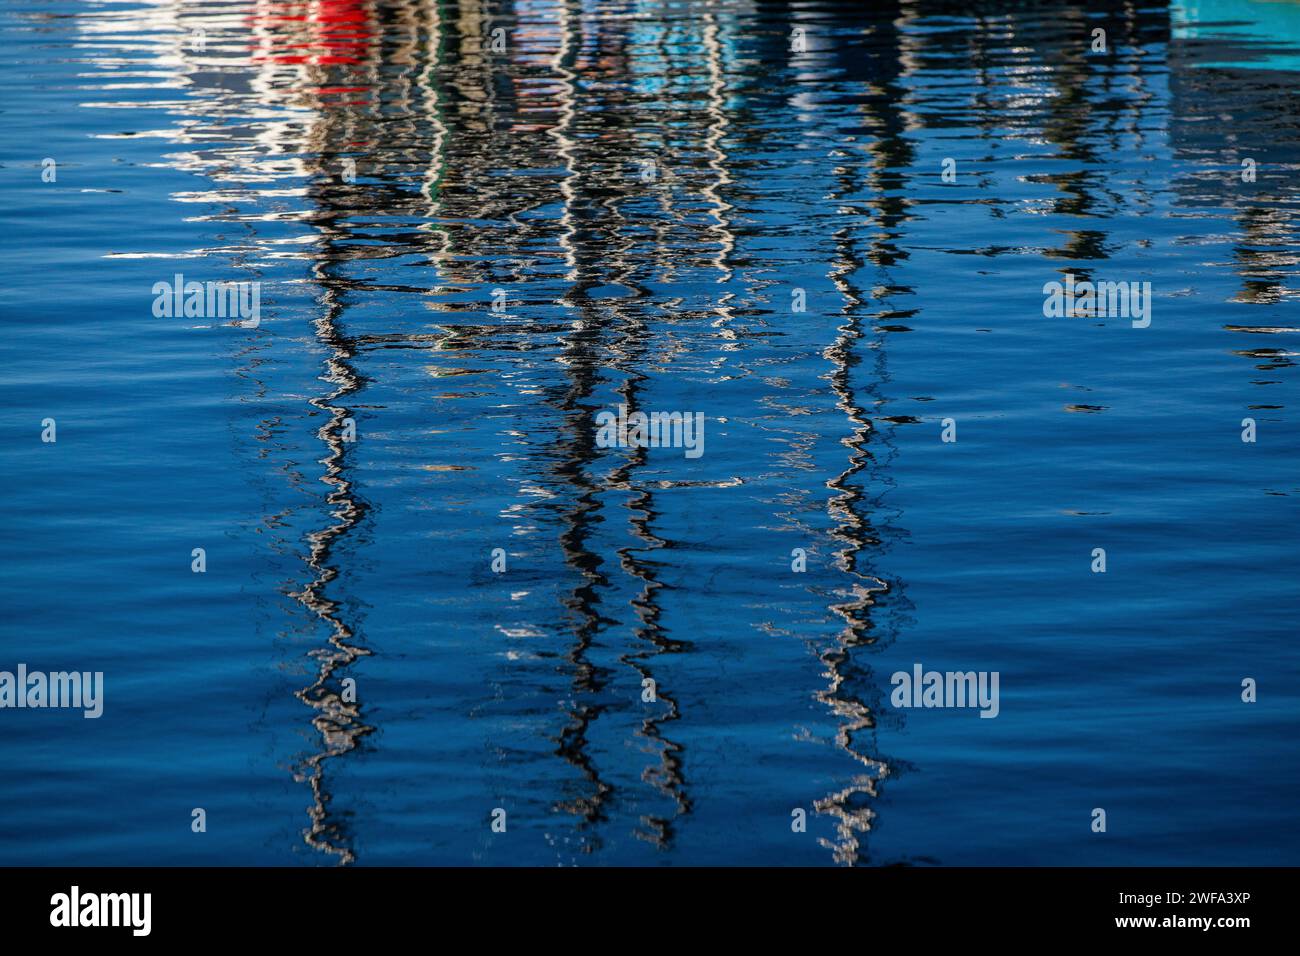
319,33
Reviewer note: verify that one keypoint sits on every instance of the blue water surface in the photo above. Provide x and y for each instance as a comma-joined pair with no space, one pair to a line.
469,244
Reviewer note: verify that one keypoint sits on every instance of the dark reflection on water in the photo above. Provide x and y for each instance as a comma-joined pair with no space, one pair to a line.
646,184
338,717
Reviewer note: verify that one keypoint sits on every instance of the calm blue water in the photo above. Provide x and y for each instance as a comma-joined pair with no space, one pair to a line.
648,185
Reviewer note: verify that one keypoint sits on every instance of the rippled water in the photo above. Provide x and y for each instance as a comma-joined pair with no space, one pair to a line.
647,185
